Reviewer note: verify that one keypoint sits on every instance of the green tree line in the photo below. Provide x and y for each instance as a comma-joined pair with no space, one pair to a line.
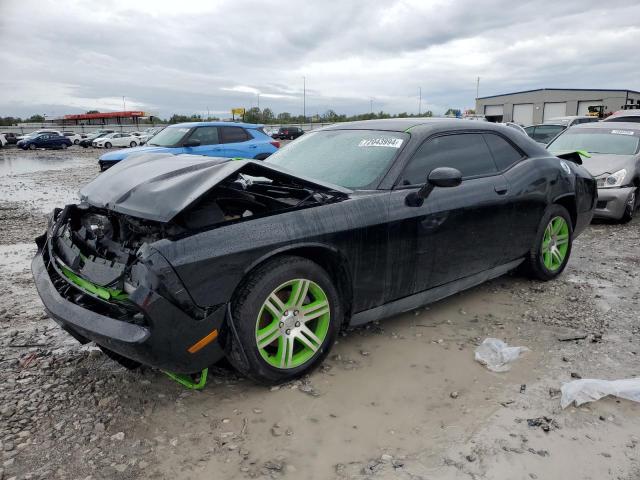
253,115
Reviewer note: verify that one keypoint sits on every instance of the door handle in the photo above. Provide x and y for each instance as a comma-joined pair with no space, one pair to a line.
253,146
501,188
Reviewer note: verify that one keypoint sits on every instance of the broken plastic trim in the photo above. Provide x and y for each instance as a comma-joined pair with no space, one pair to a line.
575,156
187,380
102,292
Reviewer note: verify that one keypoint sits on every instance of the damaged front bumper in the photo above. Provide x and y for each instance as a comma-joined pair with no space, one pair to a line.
143,325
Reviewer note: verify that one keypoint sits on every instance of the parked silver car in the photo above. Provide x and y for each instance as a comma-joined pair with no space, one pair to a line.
614,162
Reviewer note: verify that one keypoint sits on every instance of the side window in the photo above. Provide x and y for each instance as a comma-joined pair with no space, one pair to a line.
546,133
468,152
530,130
206,135
503,152
234,134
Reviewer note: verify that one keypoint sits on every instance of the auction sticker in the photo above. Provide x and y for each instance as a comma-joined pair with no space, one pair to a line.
381,142
622,132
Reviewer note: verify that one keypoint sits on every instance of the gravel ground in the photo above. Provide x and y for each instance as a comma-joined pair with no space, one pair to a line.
400,399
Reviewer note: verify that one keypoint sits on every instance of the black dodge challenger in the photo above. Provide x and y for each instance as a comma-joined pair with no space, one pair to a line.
179,261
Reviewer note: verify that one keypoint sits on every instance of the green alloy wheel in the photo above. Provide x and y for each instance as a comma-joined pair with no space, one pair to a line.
287,314
555,243
551,247
293,323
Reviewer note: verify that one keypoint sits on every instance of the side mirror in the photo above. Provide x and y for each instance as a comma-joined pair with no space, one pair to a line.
192,142
443,177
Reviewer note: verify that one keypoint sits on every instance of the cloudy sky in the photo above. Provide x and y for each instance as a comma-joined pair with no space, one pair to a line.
188,56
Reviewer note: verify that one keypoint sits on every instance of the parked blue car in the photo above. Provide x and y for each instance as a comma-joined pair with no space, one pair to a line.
213,139
44,140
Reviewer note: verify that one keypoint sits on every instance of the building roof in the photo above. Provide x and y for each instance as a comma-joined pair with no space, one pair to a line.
92,116
562,89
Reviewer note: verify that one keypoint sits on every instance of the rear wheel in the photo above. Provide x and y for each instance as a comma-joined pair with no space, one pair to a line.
287,315
64,146
550,252
32,146
630,207
76,141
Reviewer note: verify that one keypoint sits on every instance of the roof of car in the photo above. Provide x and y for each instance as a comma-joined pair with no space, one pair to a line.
423,123
216,124
610,126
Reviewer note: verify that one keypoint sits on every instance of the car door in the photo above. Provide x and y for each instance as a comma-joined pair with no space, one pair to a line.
43,141
209,139
236,142
462,230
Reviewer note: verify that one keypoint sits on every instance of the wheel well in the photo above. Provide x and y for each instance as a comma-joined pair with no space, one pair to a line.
569,203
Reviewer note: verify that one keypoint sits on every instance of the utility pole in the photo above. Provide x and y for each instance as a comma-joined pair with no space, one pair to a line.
258,100
304,98
371,104
208,116
477,87
419,101
124,105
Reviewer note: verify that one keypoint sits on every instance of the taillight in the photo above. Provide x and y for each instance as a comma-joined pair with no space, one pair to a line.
275,144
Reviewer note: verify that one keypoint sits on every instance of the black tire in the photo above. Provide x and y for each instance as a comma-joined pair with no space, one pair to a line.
246,306
107,145
64,146
630,208
124,361
32,146
534,263
133,144
76,141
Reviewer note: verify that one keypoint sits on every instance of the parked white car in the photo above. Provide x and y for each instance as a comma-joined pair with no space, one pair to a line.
3,140
73,136
116,140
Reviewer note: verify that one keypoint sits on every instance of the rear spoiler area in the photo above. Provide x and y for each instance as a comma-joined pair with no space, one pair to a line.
575,156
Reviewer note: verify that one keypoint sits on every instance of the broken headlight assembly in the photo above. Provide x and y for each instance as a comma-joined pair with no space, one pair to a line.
612,180
99,225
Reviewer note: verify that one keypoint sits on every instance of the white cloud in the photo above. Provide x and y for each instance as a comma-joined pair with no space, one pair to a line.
214,55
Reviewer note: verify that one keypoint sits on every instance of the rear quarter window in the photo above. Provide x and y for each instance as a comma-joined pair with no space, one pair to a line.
503,152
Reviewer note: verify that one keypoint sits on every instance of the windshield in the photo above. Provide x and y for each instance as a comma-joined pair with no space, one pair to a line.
169,137
609,141
349,158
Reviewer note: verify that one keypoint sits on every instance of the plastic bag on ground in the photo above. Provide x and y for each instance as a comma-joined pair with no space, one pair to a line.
590,390
497,355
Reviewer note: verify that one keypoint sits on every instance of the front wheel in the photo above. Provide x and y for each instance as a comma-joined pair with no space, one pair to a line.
133,144
550,252
107,145
64,146
32,146
76,141
629,208
287,315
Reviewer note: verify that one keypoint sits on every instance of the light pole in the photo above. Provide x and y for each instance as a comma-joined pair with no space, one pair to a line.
304,98
371,104
258,100
419,101
124,105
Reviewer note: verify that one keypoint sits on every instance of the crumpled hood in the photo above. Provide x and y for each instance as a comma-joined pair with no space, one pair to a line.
127,152
601,163
158,186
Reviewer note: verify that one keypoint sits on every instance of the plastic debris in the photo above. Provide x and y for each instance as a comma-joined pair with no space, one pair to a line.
590,390
497,355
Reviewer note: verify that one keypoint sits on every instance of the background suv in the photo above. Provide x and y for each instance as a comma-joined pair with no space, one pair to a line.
213,139
288,133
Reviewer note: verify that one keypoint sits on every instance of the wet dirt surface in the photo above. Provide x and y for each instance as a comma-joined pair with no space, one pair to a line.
400,399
